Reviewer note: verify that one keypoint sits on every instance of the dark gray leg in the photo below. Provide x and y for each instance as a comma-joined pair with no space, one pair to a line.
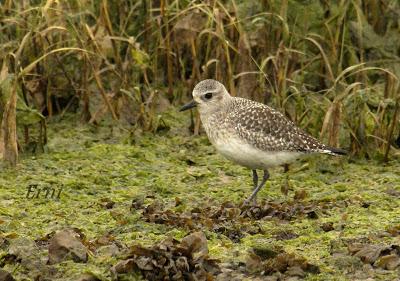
255,178
255,182
257,189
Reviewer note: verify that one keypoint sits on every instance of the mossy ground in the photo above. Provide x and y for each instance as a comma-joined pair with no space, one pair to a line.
96,164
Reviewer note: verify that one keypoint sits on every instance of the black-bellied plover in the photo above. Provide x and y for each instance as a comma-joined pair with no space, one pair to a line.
249,133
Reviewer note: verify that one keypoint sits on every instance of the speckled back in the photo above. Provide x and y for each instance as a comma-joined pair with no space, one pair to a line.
266,128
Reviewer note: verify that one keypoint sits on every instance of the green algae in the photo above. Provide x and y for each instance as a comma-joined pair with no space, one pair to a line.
95,164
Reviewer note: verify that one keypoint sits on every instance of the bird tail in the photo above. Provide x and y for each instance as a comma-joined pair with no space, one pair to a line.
334,151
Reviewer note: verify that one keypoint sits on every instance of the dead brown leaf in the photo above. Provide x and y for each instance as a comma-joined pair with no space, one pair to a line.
171,260
278,260
383,256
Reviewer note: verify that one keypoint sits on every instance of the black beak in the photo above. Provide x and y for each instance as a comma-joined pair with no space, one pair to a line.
188,106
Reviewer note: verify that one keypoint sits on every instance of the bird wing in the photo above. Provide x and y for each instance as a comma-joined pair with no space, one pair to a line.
269,130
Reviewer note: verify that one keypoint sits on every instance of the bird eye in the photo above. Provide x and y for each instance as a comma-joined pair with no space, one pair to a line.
208,96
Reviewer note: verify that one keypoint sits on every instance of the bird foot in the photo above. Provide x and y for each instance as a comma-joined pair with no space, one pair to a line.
249,201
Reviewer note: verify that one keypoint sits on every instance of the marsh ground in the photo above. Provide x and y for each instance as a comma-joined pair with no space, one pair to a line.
118,190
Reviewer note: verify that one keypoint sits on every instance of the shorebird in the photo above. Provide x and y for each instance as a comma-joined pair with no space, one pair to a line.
251,134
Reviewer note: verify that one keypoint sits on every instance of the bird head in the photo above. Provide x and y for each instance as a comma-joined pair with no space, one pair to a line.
208,96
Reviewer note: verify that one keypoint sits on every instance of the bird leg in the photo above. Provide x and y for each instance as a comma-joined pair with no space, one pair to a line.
257,189
255,178
255,183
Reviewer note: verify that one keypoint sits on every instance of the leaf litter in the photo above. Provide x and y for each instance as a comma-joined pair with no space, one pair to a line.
377,255
279,263
232,220
189,260
171,260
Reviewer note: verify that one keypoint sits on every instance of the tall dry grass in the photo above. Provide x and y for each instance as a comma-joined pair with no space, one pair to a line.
333,67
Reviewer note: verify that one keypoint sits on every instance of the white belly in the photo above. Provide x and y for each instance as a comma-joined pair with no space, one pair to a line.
249,156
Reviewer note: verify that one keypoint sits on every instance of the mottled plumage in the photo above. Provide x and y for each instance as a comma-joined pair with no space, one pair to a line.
251,133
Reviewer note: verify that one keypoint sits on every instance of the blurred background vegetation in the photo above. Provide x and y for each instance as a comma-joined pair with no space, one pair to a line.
333,67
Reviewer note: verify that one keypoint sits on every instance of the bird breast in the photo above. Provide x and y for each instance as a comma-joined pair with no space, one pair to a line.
245,154
232,147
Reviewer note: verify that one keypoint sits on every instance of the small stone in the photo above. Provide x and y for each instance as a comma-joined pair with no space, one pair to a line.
108,250
6,276
197,243
292,278
88,277
253,263
328,226
65,245
341,260
394,230
300,194
144,263
365,204
109,205
285,235
370,253
295,271
264,252
312,215
137,203
27,253
388,262
124,266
